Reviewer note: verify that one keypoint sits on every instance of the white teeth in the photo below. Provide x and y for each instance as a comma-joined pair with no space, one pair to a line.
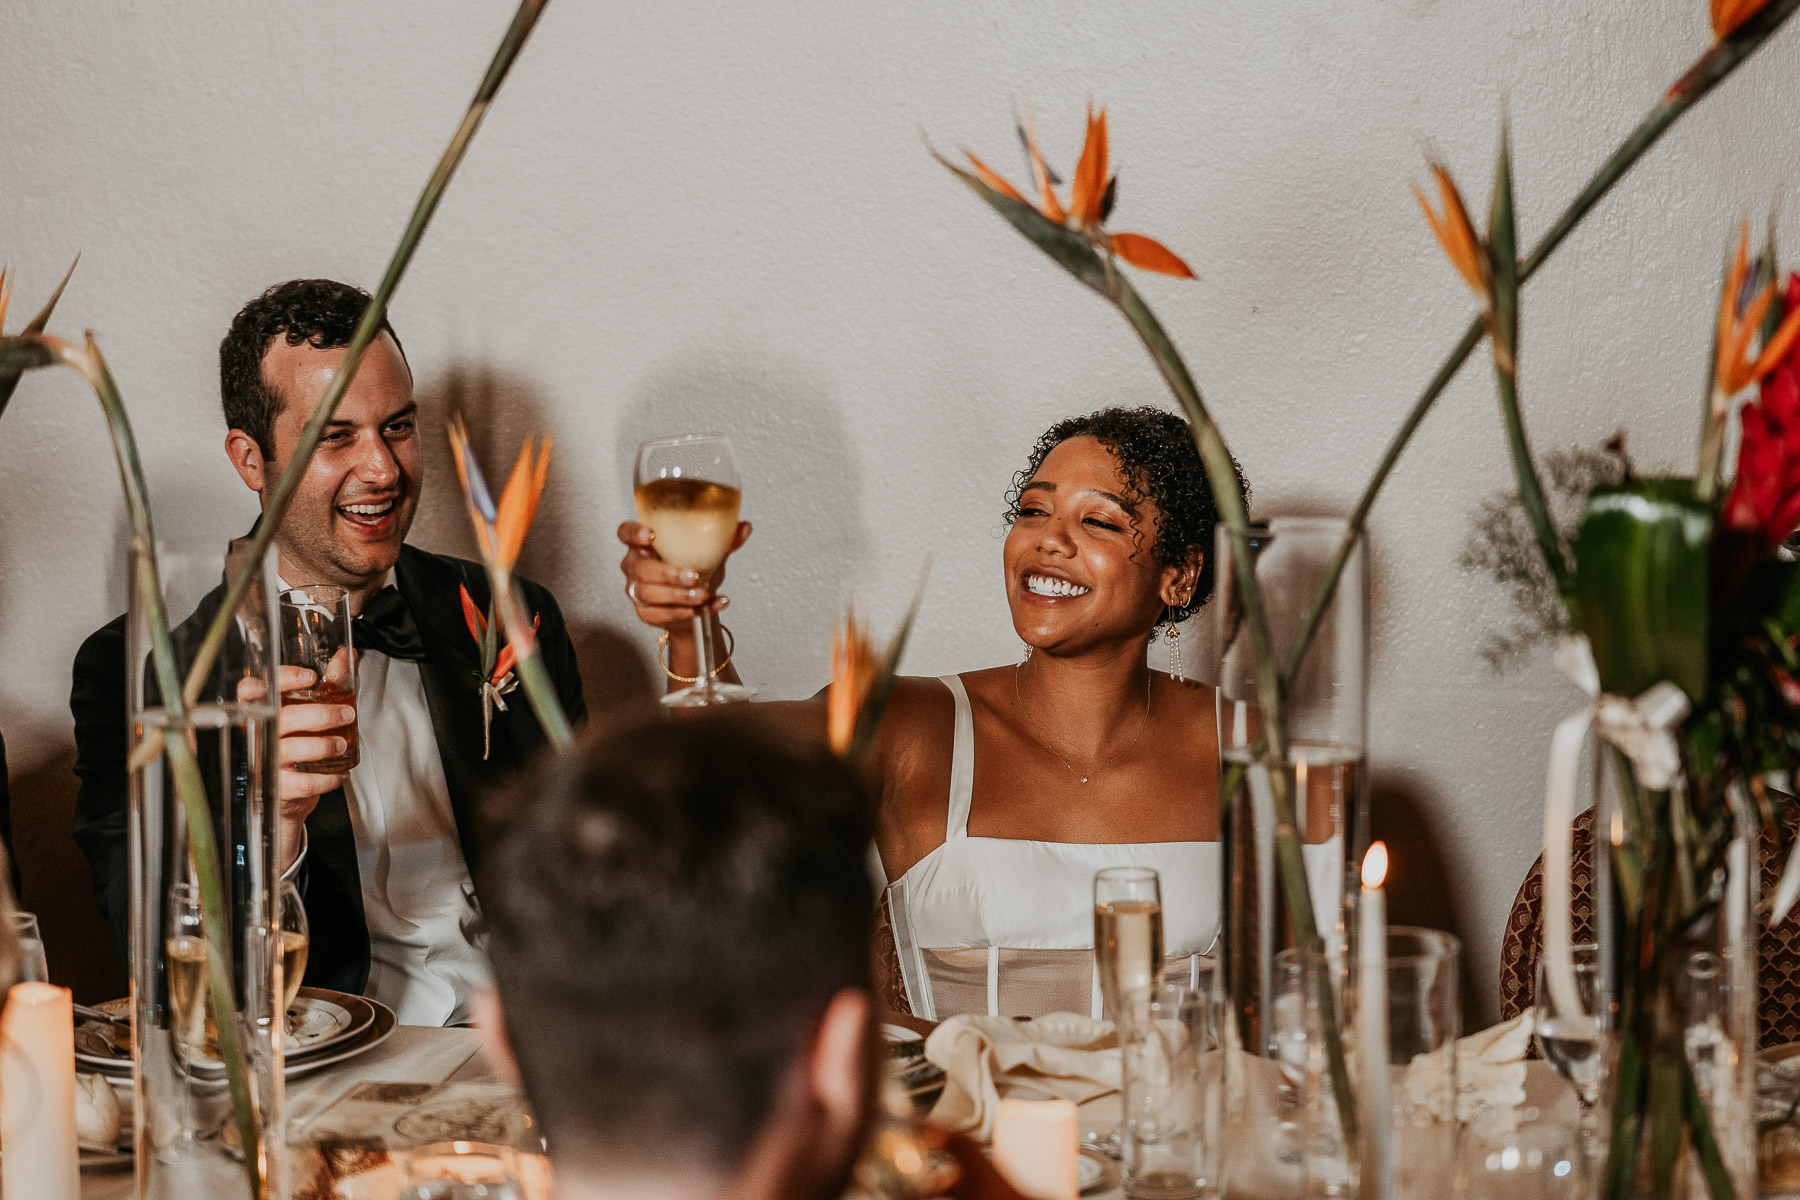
1044,585
369,510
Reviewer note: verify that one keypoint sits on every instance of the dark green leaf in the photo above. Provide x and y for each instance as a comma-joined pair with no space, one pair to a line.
1641,580
17,356
868,717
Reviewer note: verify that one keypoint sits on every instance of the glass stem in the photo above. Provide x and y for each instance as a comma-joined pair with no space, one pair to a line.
703,655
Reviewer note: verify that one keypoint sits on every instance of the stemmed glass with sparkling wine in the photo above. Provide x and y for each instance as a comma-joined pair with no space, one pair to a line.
1574,1043
688,493
295,939
1128,954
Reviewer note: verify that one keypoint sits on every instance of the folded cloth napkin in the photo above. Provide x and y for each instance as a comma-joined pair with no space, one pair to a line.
1490,1077
1058,1056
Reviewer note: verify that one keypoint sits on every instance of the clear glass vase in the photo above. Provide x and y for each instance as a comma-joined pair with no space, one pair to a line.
189,1118
1679,984
1327,738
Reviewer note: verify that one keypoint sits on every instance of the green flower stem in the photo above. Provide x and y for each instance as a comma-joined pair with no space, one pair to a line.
1708,72
1271,691
366,330
189,788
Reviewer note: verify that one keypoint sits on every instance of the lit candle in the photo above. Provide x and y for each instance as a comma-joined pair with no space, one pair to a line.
1035,1147
37,1094
1372,1029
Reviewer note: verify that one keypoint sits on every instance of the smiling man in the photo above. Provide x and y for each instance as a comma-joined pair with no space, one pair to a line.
383,855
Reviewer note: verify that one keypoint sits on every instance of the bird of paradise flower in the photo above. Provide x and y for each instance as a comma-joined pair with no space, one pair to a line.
500,531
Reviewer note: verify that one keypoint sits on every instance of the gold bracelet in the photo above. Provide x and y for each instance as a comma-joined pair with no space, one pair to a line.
662,642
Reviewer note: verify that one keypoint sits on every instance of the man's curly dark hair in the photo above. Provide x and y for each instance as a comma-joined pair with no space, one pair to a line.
320,312
1155,450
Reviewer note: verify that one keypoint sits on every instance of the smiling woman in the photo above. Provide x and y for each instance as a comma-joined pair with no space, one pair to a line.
1003,790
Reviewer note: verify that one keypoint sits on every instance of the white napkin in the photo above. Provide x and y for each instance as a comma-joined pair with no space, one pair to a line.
1490,1077
1060,1056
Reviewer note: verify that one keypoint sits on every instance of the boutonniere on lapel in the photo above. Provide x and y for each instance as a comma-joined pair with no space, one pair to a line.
495,679
500,531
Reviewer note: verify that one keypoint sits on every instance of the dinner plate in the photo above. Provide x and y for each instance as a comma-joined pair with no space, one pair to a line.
355,1027
358,1014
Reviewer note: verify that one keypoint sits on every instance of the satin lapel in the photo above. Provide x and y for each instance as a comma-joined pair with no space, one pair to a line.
452,662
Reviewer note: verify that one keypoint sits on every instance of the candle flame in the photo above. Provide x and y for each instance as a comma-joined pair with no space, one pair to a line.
1375,865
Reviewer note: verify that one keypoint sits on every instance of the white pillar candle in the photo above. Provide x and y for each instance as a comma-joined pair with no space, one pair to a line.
1372,1029
37,1094
1035,1147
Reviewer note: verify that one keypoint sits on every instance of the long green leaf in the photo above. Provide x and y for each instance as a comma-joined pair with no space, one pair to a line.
1642,585
366,330
881,688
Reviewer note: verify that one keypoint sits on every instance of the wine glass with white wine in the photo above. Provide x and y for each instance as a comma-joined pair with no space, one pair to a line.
295,938
688,493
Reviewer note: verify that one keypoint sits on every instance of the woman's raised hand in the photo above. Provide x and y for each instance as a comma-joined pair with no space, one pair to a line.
670,597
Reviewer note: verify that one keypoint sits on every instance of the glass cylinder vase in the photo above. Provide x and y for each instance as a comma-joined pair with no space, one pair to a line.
207,897
1678,941
1327,732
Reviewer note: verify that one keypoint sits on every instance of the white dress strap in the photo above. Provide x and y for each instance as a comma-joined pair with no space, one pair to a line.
962,761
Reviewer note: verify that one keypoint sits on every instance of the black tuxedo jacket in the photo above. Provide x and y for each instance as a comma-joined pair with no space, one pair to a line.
328,880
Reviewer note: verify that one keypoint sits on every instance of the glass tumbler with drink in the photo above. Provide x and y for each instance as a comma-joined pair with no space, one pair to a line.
315,635
688,493
1171,1092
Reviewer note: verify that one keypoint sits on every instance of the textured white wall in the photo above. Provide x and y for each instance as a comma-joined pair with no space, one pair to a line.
722,215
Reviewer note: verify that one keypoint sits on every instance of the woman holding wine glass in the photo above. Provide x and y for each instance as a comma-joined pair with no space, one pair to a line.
1004,790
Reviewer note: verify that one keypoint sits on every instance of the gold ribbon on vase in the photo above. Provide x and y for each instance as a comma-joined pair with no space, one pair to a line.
1642,729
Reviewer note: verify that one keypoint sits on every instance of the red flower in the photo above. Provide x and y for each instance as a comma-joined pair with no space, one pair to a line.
1765,497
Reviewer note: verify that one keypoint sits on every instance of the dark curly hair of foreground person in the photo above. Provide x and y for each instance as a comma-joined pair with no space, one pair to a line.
1155,448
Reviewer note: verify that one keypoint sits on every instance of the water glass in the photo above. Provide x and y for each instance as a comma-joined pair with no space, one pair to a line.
316,634
1574,1043
1542,1160
33,966
1171,1093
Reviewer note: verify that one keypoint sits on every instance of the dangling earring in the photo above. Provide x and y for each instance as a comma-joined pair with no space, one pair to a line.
1026,656
1173,633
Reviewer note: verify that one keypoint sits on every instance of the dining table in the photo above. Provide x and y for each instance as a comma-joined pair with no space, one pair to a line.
412,1054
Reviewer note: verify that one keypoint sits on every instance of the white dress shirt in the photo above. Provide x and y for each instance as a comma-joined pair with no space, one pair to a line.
417,897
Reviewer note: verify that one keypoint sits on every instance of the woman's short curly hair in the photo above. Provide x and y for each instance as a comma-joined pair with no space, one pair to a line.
1155,450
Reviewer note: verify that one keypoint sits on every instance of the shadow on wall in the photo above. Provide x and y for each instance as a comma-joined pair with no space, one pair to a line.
1423,893
802,488
58,886
502,410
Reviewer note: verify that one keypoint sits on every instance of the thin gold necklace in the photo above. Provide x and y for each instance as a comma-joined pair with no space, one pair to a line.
1031,730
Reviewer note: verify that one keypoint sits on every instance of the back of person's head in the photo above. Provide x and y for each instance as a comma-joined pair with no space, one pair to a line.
673,907
322,313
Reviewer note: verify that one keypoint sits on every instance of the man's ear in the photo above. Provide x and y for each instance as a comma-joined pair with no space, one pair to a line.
1179,581
840,1068
247,457
484,1007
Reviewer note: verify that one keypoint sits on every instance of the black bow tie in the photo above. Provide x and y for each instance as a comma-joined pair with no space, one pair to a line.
386,626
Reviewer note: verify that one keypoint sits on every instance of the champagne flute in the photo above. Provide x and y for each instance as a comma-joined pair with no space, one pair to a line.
1128,959
185,953
294,942
1574,1043
687,492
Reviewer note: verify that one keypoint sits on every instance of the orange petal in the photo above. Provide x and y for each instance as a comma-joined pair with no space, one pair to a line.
519,502
1150,255
5,295
504,663
459,450
1090,173
1734,283
994,181
1778,346
1727,15
1454,232
1050,206
471,615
